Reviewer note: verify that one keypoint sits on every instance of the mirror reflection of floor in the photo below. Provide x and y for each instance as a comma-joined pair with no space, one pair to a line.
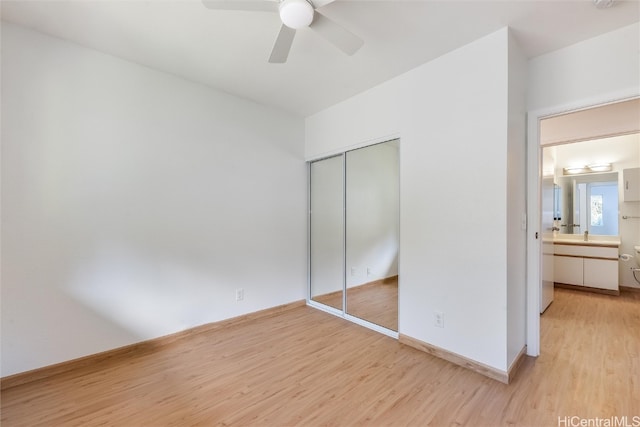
375,302
334,299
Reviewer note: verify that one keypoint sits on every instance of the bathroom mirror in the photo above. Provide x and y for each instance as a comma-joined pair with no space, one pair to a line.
588,203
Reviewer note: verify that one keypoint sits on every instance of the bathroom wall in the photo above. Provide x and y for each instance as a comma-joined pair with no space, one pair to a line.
629,229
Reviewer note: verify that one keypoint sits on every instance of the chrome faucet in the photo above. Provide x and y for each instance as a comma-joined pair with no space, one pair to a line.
586,235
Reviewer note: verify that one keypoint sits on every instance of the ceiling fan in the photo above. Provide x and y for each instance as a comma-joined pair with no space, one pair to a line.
295,15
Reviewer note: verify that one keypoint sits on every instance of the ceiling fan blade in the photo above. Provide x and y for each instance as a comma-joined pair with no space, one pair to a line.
344,39
251,5
319,3
281,48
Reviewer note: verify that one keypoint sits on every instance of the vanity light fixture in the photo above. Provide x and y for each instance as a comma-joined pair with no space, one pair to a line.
600,167
574,170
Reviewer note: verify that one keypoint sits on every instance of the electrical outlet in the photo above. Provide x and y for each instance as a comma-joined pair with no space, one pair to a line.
354,271
239,294
438,319
368,271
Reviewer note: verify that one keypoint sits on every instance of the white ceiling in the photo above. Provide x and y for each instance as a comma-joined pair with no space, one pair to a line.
228,50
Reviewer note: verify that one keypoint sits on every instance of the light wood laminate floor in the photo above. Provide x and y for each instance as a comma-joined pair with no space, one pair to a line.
305,367
376,302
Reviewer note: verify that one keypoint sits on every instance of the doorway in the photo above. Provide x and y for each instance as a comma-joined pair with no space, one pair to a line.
354,235
601,120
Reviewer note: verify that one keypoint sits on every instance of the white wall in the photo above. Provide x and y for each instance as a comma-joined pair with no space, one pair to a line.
587,71
452,117
134,203
375,121
516,203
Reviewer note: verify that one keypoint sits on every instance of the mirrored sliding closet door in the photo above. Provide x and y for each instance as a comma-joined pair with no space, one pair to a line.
354,227
326,207
372,233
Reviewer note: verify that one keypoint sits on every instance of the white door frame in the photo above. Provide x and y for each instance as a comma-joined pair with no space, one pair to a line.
534,177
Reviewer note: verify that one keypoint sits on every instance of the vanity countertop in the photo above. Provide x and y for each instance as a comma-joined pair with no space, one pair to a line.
595,240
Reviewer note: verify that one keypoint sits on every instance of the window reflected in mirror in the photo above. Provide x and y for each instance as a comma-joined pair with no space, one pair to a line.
589,203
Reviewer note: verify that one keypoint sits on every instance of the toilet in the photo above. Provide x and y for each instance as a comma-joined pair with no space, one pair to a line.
637,251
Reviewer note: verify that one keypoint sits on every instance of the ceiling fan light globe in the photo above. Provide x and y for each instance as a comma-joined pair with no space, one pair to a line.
296,14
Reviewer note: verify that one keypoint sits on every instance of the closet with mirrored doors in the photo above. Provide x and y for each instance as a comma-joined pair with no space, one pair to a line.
354,227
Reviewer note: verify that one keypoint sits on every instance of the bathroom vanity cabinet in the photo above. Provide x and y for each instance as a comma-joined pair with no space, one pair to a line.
585,264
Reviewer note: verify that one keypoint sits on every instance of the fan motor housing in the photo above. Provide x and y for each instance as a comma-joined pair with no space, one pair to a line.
296,14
